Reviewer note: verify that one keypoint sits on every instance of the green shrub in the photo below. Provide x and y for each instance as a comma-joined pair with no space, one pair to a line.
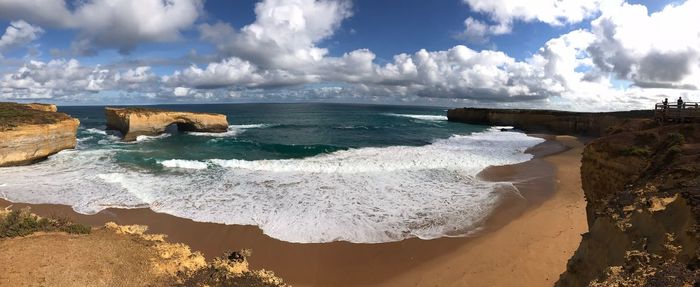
77,229
635,151
675,139
22,223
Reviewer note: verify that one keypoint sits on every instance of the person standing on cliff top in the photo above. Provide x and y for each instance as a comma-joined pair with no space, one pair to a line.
665,103
680,103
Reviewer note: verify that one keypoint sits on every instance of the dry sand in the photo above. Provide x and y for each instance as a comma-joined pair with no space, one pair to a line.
524,244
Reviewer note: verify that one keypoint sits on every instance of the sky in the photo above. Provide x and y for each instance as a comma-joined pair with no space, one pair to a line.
594,55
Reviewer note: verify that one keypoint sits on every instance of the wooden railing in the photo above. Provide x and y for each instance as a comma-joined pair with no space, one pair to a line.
674,112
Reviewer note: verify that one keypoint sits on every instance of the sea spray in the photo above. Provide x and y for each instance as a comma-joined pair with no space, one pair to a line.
369,195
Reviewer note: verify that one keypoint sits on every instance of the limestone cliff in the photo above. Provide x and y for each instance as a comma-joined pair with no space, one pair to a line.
32,132
42,107
642,188
546,121
134,122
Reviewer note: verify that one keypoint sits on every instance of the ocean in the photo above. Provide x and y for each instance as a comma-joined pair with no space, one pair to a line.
304,173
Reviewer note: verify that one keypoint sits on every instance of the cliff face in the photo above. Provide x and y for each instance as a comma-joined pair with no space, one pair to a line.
586,124
642,188
133,122
29,133
42,107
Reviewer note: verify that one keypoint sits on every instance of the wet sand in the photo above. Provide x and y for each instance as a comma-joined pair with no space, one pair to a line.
527,242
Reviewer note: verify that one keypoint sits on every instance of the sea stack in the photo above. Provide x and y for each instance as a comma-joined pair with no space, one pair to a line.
32,132
134,122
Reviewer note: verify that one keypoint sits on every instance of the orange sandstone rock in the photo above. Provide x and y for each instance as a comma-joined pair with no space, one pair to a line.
134,122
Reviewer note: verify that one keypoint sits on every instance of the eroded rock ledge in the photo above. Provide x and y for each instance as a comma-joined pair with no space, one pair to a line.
32,132
642,188
547,121
134,122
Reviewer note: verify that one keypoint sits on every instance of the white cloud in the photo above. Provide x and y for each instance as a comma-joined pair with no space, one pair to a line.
478,31
109,24
44,12
283,47
233,72
68,78
18,34
503,13
653,50
284,35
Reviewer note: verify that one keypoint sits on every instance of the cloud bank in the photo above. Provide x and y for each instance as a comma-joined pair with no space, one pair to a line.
625,60
101,24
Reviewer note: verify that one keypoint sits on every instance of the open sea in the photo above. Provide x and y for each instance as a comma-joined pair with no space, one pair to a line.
301,172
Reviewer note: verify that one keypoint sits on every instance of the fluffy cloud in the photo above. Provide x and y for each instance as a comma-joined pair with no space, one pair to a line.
68,78
284,35
586,69
44,12
503,13
19,33
138,20
652,50
233,72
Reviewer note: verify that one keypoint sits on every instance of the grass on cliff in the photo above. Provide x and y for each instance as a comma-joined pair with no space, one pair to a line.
636,151
22,223
13,115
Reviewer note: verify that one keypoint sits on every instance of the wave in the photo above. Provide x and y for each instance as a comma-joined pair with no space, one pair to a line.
96,131
233,130
145,138
180,163
421,117
364,195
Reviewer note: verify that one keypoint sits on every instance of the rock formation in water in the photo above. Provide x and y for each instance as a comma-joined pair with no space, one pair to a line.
32,132
642,187
546,121
134,122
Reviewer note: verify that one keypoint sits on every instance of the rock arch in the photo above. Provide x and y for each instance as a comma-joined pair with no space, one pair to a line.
133,122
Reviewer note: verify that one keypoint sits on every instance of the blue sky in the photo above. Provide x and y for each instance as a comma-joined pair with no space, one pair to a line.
452,52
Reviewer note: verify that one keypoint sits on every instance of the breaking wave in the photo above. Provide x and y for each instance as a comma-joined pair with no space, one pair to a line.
365,195
421,117
233,130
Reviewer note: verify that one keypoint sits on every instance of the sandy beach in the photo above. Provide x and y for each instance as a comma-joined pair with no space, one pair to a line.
526,243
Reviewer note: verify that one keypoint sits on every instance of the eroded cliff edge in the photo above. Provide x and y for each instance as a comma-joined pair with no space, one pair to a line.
642,188
547,121
134,122
32,132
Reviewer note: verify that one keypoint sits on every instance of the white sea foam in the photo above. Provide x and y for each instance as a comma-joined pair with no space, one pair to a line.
358,195
501,128
233,130
421,117
180,163
96,131
144,138
80,140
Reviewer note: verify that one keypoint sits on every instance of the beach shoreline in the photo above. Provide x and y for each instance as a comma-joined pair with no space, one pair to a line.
552,219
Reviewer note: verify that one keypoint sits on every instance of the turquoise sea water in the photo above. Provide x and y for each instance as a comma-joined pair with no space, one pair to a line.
301,172
278,131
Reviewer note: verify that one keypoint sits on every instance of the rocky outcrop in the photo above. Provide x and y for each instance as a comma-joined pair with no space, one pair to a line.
42,107
547,121
30,133
134,122
642,188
